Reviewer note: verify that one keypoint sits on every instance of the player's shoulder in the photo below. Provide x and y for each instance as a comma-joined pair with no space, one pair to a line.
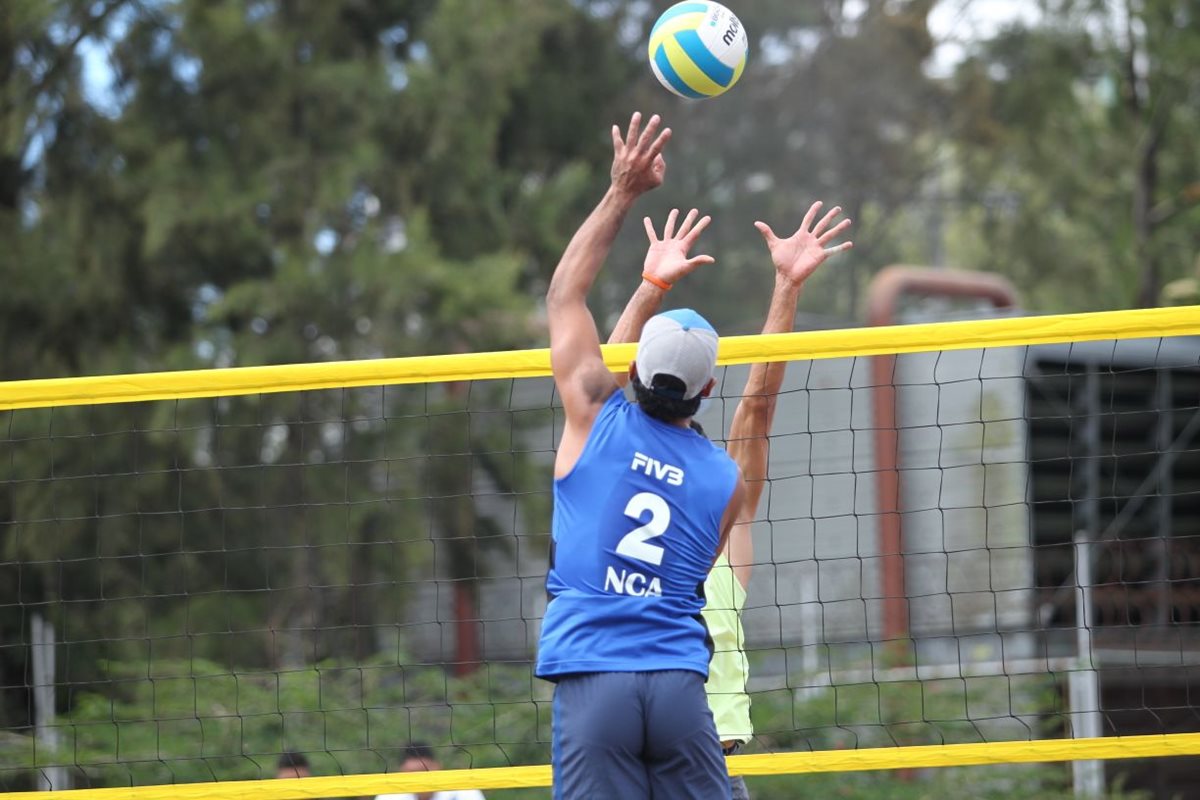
721,472
618,401
719,454
609,411
613,411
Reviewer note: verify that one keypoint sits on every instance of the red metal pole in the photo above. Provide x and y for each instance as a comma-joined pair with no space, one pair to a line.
466,630
883,297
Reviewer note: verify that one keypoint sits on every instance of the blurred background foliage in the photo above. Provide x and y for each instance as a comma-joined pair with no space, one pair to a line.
187,721
209,183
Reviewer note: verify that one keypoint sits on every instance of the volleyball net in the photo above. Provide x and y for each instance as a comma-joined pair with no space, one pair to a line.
203,571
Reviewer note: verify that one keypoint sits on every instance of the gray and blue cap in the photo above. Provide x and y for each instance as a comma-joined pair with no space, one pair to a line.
680,344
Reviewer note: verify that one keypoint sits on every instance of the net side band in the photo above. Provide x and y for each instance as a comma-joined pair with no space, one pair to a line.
1007,332
928,756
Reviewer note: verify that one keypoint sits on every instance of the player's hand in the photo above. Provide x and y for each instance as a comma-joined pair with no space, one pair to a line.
638,164
799,255
667,259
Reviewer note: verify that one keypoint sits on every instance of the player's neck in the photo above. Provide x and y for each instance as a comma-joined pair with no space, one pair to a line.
681,422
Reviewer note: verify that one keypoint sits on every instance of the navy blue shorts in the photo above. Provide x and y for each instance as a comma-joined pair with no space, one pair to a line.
633,735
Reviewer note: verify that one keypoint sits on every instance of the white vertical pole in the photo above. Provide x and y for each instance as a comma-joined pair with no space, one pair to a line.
811,637
1084,681
810,622
42,632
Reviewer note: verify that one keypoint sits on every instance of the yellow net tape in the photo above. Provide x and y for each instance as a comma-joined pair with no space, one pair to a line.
953,755
1182,321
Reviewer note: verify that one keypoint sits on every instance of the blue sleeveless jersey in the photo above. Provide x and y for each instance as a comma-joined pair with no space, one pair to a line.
635,531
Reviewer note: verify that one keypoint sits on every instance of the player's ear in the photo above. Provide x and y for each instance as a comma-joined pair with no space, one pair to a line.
708,387
632,371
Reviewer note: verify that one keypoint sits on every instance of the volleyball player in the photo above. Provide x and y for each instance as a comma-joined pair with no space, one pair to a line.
642,507
795,259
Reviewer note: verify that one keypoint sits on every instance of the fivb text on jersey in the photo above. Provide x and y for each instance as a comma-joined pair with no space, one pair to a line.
660,470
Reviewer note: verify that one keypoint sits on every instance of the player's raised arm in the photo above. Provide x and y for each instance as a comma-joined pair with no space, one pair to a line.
795,258
667,262
583,382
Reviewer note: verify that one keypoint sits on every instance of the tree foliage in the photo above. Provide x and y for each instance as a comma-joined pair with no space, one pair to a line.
258,183
1078,132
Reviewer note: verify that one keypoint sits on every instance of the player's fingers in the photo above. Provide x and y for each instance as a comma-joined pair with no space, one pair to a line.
695,232
833,232
810,216
631,133
657,147
686,226
826,220
649,225
669,230
700,261
649,132
830,251
766,232
618,145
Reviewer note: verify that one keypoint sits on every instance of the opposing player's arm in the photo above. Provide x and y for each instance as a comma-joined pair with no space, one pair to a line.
583,382
729,521
795,259
666,263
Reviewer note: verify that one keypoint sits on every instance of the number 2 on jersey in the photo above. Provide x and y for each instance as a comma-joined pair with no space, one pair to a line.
635,544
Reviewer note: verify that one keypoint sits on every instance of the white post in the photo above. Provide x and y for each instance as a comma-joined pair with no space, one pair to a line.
42,632
810,623
1083,682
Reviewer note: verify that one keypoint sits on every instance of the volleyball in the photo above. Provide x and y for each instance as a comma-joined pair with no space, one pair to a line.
698,49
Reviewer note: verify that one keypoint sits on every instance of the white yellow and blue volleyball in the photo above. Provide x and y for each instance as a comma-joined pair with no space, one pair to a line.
698,49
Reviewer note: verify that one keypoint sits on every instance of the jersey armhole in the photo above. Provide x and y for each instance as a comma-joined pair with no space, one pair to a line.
607,411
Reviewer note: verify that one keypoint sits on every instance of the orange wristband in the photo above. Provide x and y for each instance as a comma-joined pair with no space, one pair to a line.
666,287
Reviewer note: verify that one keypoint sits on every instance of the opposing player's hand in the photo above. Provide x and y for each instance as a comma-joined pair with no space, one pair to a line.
667,259
799,255
638,164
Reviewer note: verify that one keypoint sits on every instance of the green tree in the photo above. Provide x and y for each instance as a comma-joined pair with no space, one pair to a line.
268,182
1081,124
